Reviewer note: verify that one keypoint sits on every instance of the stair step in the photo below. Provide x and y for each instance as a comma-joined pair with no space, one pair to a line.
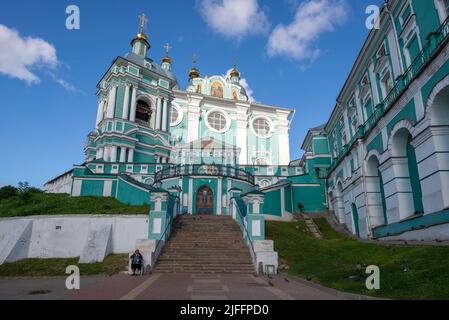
205,244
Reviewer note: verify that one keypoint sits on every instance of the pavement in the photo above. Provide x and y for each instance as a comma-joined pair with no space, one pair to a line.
170,287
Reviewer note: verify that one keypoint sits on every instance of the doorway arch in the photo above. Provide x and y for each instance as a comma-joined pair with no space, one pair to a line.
377,207
355,218
205,201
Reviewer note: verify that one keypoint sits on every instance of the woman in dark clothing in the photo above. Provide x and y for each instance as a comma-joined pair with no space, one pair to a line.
136,262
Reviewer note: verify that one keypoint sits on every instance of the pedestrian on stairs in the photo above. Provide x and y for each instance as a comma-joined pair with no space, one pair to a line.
136,262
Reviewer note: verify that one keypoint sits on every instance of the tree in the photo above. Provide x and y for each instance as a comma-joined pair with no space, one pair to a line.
8,192
23,186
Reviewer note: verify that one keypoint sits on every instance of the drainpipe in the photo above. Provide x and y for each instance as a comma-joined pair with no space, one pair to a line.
395,31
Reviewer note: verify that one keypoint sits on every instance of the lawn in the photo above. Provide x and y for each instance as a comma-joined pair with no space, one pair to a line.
332,262
113,264
53,204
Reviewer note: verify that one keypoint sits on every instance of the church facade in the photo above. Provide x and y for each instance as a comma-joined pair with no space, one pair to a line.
380,162
206,141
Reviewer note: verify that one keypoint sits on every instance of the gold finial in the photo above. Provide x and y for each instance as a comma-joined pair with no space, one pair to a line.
167,59
234,71
194,73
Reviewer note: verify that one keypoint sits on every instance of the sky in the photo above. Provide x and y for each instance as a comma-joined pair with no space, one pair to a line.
291,53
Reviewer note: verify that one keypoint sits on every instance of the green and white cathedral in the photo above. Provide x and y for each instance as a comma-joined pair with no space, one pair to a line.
206,141
380,163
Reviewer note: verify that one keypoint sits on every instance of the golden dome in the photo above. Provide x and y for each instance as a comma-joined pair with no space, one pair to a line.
166,60
235,73
194,73
141,37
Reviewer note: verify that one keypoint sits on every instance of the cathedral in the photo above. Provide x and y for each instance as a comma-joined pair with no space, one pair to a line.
206,141
379,163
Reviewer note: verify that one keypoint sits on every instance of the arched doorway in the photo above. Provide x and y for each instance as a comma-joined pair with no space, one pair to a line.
377,207
355,217
408,183
435,183
205,201
340,205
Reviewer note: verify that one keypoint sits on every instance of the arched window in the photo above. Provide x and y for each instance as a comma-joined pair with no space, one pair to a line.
264,183
143,113
216,90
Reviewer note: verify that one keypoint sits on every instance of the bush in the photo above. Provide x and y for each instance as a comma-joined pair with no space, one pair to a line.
8,192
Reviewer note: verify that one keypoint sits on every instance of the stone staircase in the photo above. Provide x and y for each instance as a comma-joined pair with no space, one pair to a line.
205,244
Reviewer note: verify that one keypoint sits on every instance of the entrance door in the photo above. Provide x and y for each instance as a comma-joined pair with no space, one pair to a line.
205,201
355,216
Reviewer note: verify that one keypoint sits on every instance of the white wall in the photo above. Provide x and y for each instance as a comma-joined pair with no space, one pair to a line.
66,236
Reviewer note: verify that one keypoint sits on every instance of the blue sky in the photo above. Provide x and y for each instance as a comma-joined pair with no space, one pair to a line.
293,53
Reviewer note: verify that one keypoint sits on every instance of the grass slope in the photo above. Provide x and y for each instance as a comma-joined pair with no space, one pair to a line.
113,264
332,262
52,204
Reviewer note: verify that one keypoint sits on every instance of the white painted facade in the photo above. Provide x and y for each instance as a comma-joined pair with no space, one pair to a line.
61,184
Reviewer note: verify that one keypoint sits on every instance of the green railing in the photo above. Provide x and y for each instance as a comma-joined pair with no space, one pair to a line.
204,170
434,42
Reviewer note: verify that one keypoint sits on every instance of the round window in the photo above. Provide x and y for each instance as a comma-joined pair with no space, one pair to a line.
175,115
217,121
262,127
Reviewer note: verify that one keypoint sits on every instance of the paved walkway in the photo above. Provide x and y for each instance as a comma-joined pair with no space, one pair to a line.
169,287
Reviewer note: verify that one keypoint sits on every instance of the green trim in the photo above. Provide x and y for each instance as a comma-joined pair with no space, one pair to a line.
415,223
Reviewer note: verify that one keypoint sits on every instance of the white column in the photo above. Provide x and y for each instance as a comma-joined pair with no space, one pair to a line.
122,154
164,115
241,134
190,202
100,112
100,152
153,117
132,116
193,124
114,154
111,102
219,196
283,134
158,114
397,187
432,154
126,102
106,153
131,155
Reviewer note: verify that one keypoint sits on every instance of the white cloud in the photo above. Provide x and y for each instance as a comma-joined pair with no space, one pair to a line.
19,55
245,85
67,86
234,18
312,19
